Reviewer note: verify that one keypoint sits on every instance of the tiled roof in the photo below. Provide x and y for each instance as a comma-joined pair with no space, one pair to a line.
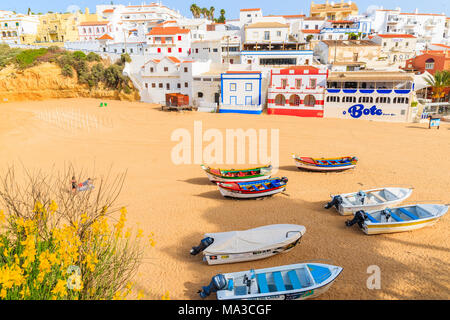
310,31
105,37
396,36
252,9
167,31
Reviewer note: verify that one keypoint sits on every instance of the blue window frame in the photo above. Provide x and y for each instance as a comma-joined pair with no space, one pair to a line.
248,87
232,86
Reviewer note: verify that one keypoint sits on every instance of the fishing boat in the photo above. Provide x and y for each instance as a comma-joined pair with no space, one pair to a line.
325,164
368,200
226,175
253,244
398,219
253,189
290,282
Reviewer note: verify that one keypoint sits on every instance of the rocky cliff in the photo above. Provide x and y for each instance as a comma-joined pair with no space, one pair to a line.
45,81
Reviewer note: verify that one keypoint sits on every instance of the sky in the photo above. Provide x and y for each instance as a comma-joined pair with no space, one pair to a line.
231,6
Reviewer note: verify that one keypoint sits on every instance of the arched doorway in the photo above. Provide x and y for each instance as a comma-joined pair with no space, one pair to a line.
294,100
280,100
310,101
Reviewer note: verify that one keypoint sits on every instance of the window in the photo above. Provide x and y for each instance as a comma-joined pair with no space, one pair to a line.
179,50
161,85
215,50
294,100
429,64
200,94
278,33
168,86
179,85
298,83
283,83
179,38
310,101
280,100
248,87
166,69
266,35
350,99
306,26
159,50
169,50
151,69
153,85
232,86
186,85
146,85
312,83
186,69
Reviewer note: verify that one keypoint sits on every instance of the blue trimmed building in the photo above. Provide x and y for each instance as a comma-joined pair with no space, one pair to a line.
241,92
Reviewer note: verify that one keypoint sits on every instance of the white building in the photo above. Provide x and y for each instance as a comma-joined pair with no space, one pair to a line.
169,41
396,48
370,95
17,28
427,27
241,92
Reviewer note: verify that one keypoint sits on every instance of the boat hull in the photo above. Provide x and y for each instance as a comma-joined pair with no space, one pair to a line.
239,194
304,166
380,228
214,178
247,256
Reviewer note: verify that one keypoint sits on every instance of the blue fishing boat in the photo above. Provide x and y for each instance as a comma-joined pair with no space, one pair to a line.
289,282
325,164
253,189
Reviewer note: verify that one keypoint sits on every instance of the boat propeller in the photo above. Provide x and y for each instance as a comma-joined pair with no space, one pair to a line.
359,218
337,200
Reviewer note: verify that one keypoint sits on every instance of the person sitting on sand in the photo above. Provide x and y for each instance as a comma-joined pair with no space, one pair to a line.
74,184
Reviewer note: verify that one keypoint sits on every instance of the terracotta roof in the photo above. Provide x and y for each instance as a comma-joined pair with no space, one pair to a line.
108,10
188,61
105,37
422,14
252,9
94,23
310,31
167,31
173,59
440,45
267,25
341,21
396,35
287,16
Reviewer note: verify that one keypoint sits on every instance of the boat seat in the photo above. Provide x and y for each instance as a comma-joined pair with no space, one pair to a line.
278,281
372,219
262,283
378,197
396,217
294,279
409,214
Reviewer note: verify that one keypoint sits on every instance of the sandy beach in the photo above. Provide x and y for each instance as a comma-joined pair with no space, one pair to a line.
179,204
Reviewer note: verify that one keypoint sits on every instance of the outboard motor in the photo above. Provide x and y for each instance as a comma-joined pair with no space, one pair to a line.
336,201
284,179
361,195
359,218
205,243
218,282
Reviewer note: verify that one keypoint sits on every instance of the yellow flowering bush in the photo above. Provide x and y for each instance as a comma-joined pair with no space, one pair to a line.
64,245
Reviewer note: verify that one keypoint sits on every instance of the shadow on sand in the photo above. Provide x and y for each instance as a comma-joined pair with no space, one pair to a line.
327,238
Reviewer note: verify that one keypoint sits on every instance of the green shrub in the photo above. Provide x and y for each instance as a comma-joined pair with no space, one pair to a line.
79,55
27,57
67,71
92,56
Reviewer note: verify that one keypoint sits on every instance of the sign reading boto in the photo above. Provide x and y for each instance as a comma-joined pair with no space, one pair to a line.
357,110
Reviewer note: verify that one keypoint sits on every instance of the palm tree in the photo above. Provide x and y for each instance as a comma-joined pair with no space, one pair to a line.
211,13
205,13
439,83
222,16
195,10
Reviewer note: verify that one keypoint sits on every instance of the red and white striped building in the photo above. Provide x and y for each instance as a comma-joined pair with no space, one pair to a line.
297,91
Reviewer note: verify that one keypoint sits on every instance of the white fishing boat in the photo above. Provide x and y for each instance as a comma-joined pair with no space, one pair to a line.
405,218
290,282
253,244
369,200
